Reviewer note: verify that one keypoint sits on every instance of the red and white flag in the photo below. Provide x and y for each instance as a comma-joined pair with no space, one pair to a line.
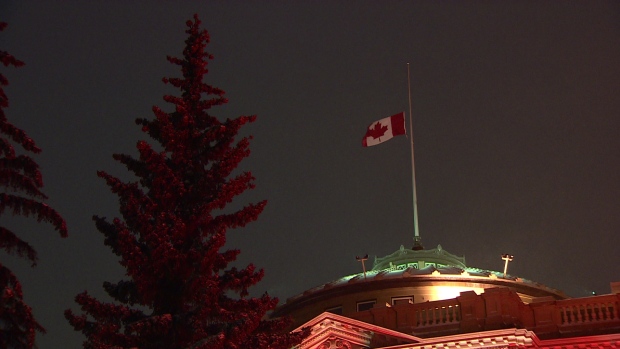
384,129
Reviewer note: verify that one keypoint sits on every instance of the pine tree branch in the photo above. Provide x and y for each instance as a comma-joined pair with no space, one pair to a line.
14,245
27,207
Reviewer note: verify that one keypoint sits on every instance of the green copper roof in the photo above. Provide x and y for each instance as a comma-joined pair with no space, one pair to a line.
418,259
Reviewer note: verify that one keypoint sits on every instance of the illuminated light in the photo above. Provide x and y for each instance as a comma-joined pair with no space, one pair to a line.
436,273
450,292
465,273
508,258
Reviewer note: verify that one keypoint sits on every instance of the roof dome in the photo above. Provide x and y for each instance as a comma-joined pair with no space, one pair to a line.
407,275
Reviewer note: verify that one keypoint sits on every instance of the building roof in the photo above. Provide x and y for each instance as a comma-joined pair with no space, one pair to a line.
430,266
409,256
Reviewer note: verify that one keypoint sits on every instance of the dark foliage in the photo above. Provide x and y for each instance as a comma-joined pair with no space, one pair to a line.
180,291
20,184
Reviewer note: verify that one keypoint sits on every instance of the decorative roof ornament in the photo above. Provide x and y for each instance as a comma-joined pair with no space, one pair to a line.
418,258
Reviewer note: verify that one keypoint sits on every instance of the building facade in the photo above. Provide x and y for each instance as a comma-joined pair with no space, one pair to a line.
431,299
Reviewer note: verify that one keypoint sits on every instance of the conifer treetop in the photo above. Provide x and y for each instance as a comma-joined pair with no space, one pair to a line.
172,230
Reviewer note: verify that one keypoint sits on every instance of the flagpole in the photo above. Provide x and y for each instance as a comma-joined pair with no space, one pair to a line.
417,244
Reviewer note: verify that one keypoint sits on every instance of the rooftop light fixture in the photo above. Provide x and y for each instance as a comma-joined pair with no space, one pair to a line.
508,258
363,259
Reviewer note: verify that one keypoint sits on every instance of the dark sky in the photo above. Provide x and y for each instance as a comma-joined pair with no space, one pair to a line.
516,123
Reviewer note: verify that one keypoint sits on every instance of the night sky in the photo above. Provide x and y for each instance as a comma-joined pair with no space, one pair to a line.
516,118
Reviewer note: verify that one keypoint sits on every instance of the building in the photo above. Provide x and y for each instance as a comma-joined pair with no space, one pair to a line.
416,298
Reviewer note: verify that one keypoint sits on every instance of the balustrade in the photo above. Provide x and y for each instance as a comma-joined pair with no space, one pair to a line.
437,313
546,318
588,310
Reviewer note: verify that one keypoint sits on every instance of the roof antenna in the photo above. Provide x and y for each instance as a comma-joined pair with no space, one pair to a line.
363,259
508,258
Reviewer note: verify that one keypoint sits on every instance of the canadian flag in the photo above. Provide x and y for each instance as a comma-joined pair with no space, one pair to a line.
384,129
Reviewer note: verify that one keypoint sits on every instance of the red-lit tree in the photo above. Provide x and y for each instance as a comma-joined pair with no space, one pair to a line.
20,185
180,291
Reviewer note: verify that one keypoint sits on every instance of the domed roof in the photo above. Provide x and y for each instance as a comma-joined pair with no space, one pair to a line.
420,275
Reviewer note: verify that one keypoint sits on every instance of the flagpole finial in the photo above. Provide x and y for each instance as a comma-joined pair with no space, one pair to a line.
417,244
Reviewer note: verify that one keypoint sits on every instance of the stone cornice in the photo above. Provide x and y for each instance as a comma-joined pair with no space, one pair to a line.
328,326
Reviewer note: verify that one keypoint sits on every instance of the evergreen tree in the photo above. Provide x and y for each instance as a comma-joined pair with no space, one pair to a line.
20,185
180,291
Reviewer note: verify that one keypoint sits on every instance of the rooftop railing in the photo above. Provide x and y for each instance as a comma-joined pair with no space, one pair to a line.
585,311
500,308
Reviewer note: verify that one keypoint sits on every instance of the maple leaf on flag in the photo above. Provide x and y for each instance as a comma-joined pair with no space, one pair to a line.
376,131
384,130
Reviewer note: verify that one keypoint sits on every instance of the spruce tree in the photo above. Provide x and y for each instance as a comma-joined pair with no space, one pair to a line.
180,291
20,194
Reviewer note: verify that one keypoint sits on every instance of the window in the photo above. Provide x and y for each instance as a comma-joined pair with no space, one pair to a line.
335,310
361,306
402,300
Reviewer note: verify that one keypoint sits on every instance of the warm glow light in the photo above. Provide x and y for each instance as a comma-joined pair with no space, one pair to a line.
449,292
508,258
